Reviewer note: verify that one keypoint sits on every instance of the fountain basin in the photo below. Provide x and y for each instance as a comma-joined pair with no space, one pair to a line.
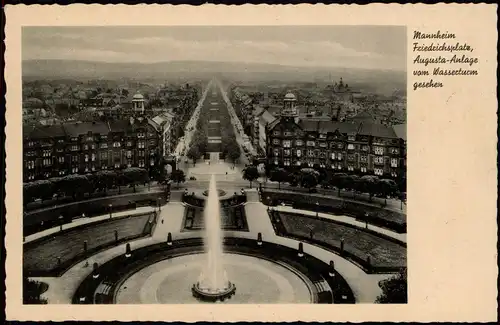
209,295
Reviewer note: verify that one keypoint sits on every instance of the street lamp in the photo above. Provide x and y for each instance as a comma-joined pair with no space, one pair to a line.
317,209
110,211
61,222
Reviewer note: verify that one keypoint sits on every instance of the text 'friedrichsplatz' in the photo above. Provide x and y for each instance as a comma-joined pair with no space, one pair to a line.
439,55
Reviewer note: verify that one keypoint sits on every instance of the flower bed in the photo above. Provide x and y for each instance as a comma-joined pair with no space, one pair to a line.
52,255
385,254
232,218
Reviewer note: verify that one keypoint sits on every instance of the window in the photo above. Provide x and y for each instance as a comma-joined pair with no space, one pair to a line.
117,166
378,150
90,138
86,147
276,141
276,152
276,133
340,145
116,144
276,161
351,138
310,153
74,139
104,167
141,163
129,165
322,136
104,145
141,144
286,152
74,170
286,162
74,158
333,145
104,155
299,143
86,158
299,153
333,155
394,162
129,154
298,163
350,146
129,143
141,135
394,174
30,164
47,162
104,137
92,146
350,157
379,160
364,158
60,141
141,153
364,148
31,177
310,143
287,143
378,171
350,168
323,144
288,133
363,169
86,168
93,157
339,156
152,143
30,144
394,151
61,160
152,162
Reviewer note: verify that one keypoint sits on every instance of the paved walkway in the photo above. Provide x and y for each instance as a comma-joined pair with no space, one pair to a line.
364,286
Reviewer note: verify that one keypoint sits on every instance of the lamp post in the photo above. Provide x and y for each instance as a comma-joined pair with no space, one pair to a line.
317,209
61,222
110,211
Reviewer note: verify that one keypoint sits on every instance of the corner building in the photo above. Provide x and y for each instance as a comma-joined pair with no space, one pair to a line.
87,147
353,147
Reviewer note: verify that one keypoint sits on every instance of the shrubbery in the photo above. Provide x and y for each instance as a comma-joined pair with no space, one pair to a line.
77,185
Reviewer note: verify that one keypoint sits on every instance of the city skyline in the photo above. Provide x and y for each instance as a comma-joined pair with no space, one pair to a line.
369,47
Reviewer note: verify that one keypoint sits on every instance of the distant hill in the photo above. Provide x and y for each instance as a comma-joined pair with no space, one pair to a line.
389,80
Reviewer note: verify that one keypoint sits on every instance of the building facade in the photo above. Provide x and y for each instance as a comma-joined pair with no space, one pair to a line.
86,147
364,148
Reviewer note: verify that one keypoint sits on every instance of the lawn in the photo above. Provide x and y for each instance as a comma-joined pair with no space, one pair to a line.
360,243
42,255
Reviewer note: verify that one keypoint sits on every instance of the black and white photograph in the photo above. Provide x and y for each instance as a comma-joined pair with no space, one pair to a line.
214,164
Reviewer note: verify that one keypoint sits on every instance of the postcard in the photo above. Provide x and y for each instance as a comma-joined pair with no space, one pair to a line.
251,163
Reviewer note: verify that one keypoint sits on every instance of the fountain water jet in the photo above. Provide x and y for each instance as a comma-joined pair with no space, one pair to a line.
213,284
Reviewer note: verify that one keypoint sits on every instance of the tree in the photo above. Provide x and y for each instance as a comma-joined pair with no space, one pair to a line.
105,179
178,176
194,154
250,173
75,185
280,175
37,189
32,292
308,178
135,176
234,151
125,92
370,184
388,187
394,289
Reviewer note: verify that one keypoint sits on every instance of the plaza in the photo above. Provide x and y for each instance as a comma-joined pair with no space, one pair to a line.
273,253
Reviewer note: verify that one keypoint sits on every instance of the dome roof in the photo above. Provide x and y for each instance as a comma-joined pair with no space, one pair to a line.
138,96
290,96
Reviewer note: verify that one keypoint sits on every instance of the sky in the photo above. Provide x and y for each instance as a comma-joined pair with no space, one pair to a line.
369,47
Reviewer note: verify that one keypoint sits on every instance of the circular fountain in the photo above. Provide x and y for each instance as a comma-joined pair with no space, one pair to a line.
213,284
